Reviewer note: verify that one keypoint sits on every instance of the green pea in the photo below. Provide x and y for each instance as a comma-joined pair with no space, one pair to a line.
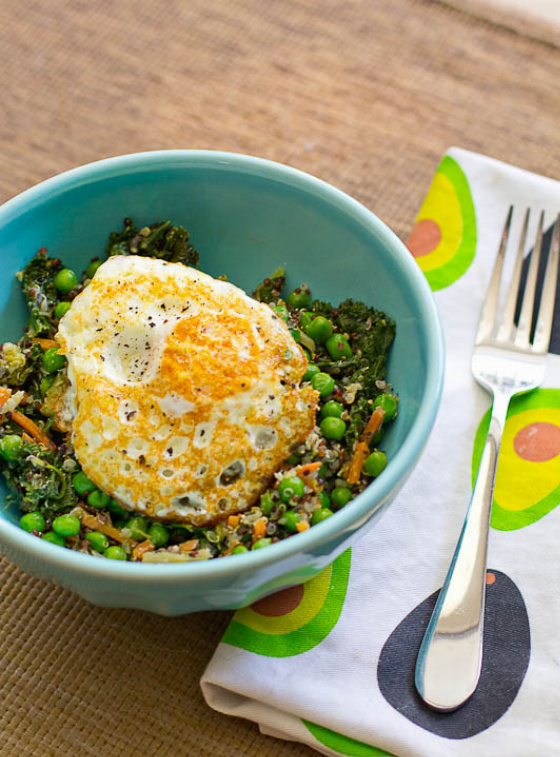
292,460
338,347
299,298
267,503
341,496
239,550
92,268
319,329
289,520
46,383
311,371
264,542
53,538
61,309
158,535
65,280
121,523
305,320
10,447
98,541
290,487
333,428
138,528
389,403
115,553
66,525
321,515
281,311
82,484
115,508
98,499
296,336
32,522
52,361
322,383
324,499
331,409
375,463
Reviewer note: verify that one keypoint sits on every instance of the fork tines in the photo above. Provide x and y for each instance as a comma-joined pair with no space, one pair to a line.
504,330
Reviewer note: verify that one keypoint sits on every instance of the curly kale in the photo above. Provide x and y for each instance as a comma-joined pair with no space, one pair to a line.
372,333
41,479
160,240
375,333
271,288
37,283
323,308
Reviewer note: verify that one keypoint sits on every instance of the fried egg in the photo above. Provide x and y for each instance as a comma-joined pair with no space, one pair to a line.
184,394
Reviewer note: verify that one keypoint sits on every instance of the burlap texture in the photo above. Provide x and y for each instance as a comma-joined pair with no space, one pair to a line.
365,94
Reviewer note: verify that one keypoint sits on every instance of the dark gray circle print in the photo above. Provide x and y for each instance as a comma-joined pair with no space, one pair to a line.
507,649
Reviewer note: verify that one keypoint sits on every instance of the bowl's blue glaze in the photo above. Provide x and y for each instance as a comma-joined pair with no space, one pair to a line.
246,217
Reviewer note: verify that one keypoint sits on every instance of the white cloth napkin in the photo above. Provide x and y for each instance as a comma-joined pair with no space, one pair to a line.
331,664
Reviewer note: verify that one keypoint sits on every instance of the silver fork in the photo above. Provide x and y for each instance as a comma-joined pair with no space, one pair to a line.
505,362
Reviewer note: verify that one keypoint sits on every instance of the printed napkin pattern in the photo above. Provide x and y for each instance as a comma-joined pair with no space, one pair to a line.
331,663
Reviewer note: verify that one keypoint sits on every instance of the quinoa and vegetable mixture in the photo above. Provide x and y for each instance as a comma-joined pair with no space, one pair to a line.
346,347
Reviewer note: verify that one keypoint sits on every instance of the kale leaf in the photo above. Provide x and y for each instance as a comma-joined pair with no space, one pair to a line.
270,289
41,479
37,282
371,333
323,308
160,240
374,333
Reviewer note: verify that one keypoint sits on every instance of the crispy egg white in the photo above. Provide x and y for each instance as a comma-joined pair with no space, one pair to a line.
184,393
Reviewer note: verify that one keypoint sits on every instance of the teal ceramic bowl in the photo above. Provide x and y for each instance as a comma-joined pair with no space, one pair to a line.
246,216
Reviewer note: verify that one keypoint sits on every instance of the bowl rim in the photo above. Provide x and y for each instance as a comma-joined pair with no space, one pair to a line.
399,466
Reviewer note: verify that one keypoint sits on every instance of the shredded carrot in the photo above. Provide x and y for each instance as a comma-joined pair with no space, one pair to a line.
355,469
259,528
233,520
362,447
188,546
141,549
32,429
308,470
303,525
26,438
46,344
5,395
96,525
373,425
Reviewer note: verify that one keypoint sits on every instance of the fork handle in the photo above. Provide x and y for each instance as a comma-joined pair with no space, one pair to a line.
450,657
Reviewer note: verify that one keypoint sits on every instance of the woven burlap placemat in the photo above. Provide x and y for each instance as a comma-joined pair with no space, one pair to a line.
367,95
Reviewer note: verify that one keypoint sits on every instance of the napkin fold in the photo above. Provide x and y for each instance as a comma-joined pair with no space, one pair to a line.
331,663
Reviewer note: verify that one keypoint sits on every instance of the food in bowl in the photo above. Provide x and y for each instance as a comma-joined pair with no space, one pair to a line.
153,413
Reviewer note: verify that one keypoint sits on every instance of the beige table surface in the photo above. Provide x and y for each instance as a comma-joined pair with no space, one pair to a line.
367,95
